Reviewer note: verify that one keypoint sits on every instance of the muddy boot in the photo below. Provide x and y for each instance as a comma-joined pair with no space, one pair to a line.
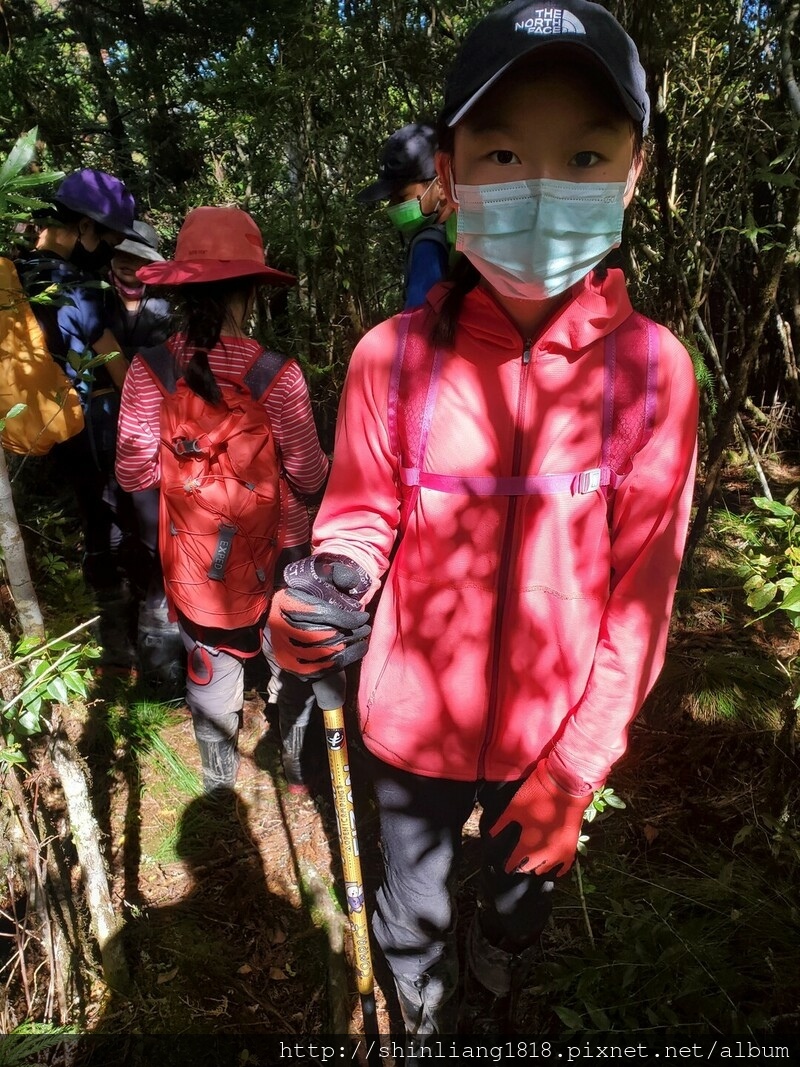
219,761
302,738
428,1005
117,653
160,651
493,982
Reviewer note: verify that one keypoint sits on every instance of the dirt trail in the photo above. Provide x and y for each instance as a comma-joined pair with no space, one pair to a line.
233,906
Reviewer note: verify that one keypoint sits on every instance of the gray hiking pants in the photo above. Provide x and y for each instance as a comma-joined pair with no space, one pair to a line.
216,706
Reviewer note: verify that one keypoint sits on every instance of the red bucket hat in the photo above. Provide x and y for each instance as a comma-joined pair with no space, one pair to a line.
215,243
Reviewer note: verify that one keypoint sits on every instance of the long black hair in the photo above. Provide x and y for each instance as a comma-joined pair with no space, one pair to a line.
201,311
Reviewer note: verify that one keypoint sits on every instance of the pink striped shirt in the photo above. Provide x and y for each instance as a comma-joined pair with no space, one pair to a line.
288,406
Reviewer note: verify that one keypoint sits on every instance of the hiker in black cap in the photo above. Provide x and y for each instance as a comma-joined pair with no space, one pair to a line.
524,448
417,207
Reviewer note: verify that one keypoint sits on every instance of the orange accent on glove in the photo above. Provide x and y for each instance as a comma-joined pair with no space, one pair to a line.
311,637
550,824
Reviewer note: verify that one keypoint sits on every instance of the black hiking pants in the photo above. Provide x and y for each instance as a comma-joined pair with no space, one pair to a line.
422,820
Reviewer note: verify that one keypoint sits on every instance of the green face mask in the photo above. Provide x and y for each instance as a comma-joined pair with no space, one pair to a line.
408,218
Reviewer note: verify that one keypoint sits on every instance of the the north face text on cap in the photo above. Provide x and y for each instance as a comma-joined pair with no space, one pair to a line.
549,20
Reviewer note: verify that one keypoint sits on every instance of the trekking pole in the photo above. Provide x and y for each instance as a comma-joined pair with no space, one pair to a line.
330,694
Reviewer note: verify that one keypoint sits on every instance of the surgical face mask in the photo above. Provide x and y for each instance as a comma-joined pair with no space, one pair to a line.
91,261
408,217
534,239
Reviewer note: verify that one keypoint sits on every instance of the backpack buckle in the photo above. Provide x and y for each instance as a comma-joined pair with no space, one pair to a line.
184,447
589,481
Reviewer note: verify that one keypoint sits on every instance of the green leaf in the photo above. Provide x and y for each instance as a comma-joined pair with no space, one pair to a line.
29,181
599,1018
12,756
773,506
571,1019
784,179
19,157
26,645
33,702
39,667
17,409
75,683
792,600
57,690
28,722
759,599
27,202
742,835
614,801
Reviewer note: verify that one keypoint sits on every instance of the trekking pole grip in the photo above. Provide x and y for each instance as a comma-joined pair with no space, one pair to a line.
330,691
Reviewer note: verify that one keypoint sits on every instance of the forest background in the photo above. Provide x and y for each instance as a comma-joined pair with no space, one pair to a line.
281,107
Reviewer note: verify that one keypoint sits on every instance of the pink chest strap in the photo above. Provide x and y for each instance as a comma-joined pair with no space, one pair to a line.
630,368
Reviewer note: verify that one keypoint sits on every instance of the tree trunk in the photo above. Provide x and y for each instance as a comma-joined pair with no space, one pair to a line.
761,312
16,562
86,836
83,21
52,939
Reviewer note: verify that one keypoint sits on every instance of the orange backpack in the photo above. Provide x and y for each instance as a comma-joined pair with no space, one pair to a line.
29,375
223,499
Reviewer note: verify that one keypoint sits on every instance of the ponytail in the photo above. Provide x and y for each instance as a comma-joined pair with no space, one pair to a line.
464,277
200,378
202,310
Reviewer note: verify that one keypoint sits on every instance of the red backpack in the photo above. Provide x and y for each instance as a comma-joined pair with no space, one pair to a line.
223,499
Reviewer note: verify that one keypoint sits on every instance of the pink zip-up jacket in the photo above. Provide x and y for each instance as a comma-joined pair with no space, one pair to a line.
510,628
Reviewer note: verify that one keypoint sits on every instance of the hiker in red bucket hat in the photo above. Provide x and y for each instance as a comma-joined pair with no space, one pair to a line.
217,443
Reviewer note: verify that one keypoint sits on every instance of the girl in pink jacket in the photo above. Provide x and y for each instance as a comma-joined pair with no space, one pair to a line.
514,468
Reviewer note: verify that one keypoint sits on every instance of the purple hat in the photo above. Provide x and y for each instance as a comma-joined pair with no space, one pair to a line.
407,156
100,197
518,29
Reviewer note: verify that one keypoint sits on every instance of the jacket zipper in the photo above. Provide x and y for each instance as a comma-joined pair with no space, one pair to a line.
505,556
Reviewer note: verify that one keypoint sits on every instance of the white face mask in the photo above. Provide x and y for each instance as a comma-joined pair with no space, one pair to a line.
534,239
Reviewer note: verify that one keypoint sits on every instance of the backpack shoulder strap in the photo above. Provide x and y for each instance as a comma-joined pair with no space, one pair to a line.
629,392
435,233
258,379
162,367
629,404
413,384
263,373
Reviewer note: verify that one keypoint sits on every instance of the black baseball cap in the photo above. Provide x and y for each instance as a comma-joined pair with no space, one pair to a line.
518,29
407,156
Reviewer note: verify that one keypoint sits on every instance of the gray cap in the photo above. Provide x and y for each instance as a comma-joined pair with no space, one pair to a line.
145,245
